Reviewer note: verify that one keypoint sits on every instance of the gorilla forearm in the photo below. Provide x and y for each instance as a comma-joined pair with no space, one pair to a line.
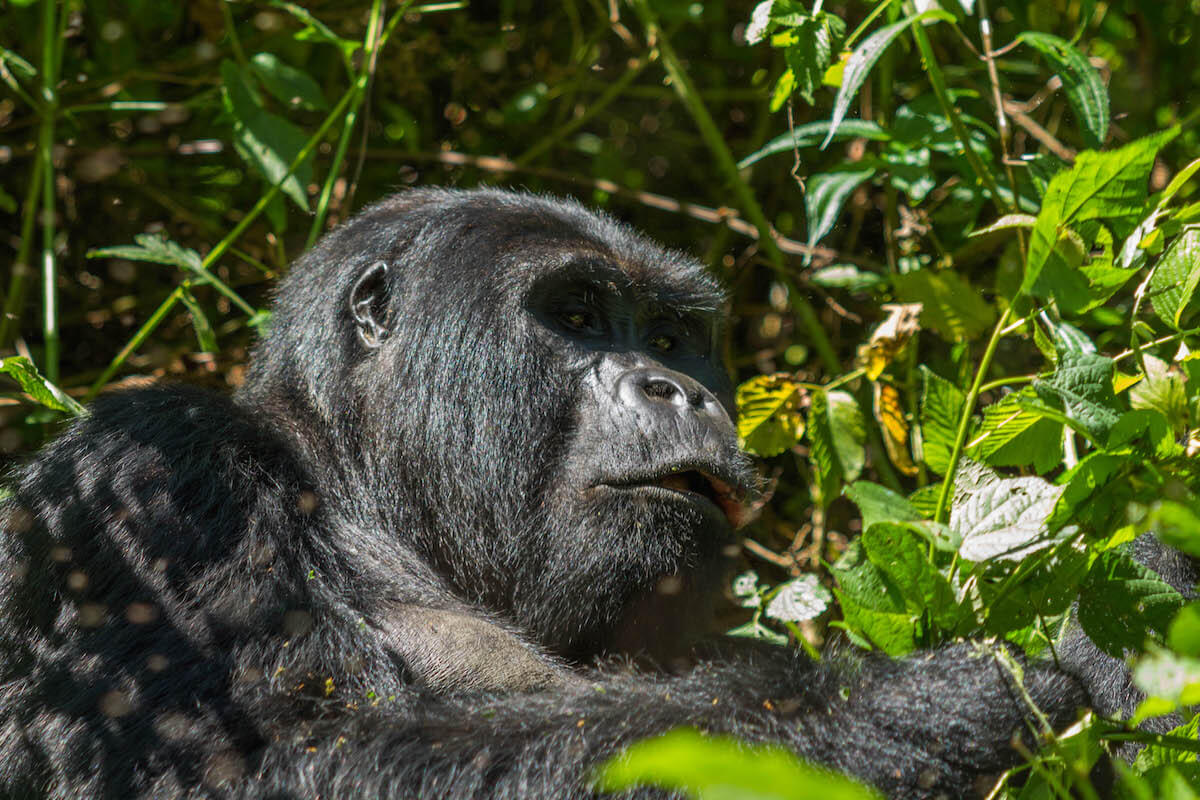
914,728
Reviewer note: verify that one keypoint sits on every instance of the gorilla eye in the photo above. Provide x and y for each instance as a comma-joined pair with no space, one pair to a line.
663,344
583,321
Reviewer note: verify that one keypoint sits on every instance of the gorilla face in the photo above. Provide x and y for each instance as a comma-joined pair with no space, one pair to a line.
557,378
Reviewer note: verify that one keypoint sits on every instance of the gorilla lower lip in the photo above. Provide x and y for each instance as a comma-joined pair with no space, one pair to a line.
709,487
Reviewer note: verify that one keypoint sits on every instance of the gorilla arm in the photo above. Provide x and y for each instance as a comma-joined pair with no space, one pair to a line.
924,726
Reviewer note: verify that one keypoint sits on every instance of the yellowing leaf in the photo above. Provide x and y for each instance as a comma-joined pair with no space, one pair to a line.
889,338
890,416
769,419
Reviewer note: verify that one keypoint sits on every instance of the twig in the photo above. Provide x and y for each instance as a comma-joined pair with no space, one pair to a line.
1038,132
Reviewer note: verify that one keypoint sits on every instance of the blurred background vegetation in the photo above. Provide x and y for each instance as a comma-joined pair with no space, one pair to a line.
121,118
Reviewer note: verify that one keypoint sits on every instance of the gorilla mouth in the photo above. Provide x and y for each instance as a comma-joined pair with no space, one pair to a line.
697,486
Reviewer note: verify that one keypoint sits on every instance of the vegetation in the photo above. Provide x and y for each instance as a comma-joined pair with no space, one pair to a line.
962,241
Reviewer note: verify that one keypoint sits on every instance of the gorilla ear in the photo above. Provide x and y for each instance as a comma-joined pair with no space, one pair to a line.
368,299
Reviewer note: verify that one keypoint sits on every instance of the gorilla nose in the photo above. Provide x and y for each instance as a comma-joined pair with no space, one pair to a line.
659,389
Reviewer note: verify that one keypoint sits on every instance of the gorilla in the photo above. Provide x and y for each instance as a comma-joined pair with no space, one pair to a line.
482,462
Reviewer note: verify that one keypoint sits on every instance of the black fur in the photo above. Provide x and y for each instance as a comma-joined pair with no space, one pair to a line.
386,567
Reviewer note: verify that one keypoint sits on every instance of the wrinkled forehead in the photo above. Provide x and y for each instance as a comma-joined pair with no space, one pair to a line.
520,246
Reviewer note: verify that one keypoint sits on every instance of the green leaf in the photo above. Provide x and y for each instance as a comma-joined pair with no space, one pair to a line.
1121,602
950,305
864,57
799,599
1109,185
871,604
848,277
290,86
812,133
155,248
901,555
266,141
1174,280
36,385
769,420
837,433
1176,524
824,196
880,504
1012,435
1154,755
1082,383
722,768
998,517
941,407
205,337
1163,391
813,40
1084,88
1183,636
317,31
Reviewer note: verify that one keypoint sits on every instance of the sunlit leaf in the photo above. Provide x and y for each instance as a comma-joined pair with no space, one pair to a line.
722,768
889,337
864,57
998,517
769,419
38,387
825,194
950,305
1174,280
812,133
941,407
889,413
799,599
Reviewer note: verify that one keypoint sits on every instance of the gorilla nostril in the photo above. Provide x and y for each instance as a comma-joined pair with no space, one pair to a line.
659,389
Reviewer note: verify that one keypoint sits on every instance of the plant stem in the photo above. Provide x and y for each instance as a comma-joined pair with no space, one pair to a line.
726,164
938,81
49,110
358,91
14,300
964,421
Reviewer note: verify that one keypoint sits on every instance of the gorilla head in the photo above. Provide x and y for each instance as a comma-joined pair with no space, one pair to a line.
526,394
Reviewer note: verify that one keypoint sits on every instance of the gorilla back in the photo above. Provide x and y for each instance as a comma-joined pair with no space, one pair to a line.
485,442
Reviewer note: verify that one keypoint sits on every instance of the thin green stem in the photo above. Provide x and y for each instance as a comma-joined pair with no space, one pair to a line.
938,81
371,43
14,300
49,110
964,421
218,250
235,44
728,166
1012,380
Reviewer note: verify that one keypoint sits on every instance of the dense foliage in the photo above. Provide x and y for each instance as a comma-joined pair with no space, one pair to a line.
962,242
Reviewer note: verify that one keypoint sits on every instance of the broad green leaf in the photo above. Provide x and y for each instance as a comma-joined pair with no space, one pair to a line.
264,140
290,86
812,133
1092,498
1174,280
799,599
1183,635
950,305
722,768
864,57
871,604
880,504
1084,88
1082,384
1158,755
837,434
1177,524
1121,602
769,419
1132,253
941,407
1109,185
1048,590
902,556
998,517
824,196
1163,391
204,332
810,50
36,385
1012,435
